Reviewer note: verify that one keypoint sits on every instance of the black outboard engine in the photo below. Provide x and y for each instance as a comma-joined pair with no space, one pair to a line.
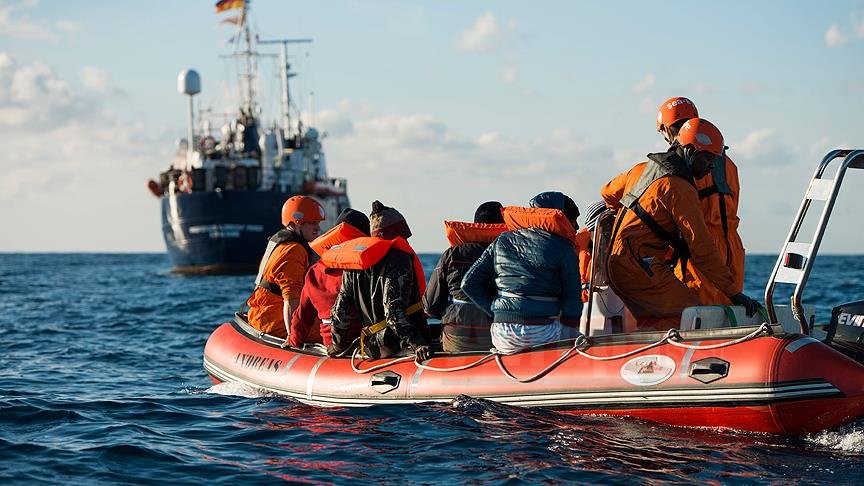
846,330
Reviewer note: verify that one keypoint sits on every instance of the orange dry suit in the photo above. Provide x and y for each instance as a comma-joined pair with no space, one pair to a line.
661,209
718,194
280,278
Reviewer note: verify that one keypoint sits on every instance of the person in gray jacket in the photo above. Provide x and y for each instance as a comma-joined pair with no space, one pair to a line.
528,281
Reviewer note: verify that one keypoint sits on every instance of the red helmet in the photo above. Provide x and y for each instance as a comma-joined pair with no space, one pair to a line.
301,209
675,109
702,135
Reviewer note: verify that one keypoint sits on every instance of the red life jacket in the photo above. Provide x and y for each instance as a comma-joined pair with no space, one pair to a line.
340,233
459,233
362,253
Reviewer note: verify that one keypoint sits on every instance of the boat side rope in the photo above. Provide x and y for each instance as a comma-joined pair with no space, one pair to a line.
672,337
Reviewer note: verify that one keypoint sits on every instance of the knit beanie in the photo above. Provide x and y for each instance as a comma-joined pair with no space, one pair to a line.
489,212
354,218
385,222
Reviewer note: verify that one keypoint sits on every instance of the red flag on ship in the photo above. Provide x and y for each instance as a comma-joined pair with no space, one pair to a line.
223,5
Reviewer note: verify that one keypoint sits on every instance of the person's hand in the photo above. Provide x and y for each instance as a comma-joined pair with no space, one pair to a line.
333,350
422,353
750,305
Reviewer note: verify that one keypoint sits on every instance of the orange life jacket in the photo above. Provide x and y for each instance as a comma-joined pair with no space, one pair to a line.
361,253
340,233
459,233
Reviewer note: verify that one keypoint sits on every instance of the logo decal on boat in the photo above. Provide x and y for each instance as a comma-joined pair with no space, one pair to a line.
648,370
846,319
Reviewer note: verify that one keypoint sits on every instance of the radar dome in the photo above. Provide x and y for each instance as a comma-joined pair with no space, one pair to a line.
312,133
188,82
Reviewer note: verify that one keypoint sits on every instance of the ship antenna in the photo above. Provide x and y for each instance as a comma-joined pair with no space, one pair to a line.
286,74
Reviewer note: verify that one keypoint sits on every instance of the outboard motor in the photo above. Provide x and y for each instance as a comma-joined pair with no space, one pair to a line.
846,330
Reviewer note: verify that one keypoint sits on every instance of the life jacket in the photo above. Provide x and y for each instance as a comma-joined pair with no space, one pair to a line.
552,220
340,233
722,189
281,237
364,252
660,165
459,233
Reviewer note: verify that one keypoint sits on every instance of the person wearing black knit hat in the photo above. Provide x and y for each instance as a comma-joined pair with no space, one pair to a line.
465,326
387,295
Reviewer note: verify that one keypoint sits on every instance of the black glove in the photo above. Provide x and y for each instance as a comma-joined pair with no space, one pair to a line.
422,353
750,305
333,350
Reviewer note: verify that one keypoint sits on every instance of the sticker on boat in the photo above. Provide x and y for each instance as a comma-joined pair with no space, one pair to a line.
648,370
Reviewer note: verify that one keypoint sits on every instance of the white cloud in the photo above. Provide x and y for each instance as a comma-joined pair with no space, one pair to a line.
645,83
755,143
509,74
15,23
61,147
833,37
417,162
99,81
482,36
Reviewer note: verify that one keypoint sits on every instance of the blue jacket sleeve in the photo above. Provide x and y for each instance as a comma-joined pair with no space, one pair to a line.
571,289
479,283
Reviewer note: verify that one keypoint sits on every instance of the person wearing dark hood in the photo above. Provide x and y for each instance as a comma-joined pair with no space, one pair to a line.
660,209
283,266
384,282
527,280
322,284
466,327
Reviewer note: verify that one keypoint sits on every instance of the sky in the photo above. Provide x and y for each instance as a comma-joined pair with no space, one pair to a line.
432,107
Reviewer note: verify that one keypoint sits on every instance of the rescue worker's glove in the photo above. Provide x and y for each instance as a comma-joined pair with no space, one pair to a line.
422,353
750,305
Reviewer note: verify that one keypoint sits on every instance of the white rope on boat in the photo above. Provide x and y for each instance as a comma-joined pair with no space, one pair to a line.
672,337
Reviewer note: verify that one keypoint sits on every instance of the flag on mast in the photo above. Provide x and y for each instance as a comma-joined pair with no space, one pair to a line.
236,20
223,5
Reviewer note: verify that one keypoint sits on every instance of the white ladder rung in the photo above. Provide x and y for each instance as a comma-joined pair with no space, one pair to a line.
820,189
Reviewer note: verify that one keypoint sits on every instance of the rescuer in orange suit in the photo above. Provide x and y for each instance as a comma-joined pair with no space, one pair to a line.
718,197
659,208
283,266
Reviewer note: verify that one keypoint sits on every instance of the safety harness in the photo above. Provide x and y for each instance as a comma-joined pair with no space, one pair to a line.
281,237
722,189
660,165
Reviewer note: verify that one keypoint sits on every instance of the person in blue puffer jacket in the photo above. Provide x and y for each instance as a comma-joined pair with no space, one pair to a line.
528,281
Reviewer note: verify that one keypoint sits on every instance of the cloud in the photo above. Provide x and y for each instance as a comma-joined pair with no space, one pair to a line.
99,81
70,164
833,37
482,36
432,172
644,84
15,23
509,74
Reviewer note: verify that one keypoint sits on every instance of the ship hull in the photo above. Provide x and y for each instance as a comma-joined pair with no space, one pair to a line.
224,232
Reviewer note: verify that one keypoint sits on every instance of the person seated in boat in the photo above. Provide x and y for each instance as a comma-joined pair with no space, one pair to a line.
465,326
384,280
527,280
284,265
659,209
322,283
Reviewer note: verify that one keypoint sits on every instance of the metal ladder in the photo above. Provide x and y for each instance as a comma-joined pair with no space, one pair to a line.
796,258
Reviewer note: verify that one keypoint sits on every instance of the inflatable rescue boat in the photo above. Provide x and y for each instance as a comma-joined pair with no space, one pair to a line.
719,369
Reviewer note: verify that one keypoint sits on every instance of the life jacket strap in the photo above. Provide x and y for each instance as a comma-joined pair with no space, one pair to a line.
681,251
270,286
382,324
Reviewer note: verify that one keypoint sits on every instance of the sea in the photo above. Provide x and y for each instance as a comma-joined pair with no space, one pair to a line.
101,382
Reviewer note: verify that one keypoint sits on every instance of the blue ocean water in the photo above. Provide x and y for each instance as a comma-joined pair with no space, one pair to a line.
101,382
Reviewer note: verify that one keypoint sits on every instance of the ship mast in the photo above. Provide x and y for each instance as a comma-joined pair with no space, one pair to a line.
286,74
